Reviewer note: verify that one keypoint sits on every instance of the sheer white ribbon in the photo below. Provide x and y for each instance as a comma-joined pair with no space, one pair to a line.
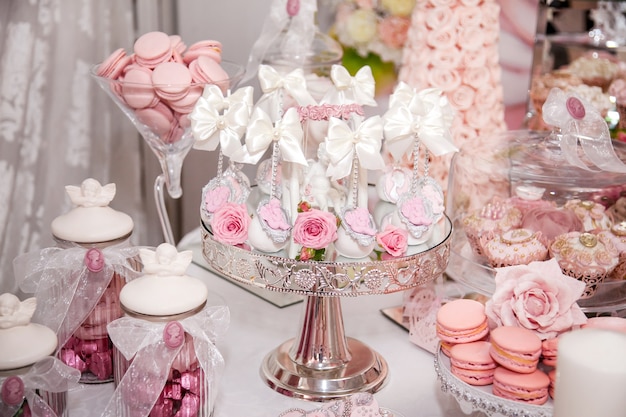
425,115
142,341
66,290
359,89
298,31
50,375
343,144
261,133
221,120
581,124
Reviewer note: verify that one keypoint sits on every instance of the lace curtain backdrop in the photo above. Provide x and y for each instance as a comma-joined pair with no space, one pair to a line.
57,127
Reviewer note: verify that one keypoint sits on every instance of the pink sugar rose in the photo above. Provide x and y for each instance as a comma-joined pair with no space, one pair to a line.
359,220
273,215
415,211
437,17
471,38
315,229
478,78
538,297
551,221
230,224
216,198
462,98
394,240
446,79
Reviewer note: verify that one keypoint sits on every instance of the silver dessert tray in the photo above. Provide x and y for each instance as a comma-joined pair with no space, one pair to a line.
321,363
473,398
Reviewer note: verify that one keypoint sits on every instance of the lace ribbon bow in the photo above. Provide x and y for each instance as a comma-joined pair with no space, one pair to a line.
359,89
343,144
261,133
49,375
425,115
68,283
581,123
153,354
221,120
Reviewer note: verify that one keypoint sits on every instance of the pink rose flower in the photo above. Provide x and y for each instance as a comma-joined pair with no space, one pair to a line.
479,77
471,38
445,58
230,224
437,17
462,98
393,30
442,38
216,198
446,79
315,229
538,297
393,240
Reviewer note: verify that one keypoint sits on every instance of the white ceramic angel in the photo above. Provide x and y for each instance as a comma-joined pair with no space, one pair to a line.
14,312
165,260
91,193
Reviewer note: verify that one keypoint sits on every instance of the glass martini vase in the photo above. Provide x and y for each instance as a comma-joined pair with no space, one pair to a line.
165,127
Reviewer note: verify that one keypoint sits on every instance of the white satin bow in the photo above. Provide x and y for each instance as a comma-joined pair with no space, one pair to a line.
342,144
211,127
143,342
47,375
261,133
359,89
425,115
581,123
294,83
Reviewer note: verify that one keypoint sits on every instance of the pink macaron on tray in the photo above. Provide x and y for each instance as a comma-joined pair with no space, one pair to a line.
513,198
157,85
473,398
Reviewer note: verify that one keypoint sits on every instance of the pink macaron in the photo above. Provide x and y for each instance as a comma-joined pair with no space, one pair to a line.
549,349
153,48
607,323
515,348
114,65
462,321
137,88
529,388
158,118
171,80
208,48
472,363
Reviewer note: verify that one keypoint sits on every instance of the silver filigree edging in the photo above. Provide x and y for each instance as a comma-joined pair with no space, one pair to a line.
327,278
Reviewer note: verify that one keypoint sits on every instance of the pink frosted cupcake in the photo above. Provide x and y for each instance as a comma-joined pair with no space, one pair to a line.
528,197
617,236
592,214
493,219
585,256
515,247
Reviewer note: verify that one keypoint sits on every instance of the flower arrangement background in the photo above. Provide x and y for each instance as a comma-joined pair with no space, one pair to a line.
373,32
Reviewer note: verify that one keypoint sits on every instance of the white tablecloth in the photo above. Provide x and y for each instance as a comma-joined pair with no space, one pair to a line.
257,327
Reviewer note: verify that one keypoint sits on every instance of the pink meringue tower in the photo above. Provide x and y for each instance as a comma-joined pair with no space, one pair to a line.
453,45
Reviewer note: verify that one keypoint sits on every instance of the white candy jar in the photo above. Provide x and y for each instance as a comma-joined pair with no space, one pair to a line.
166,361
78,282
32,382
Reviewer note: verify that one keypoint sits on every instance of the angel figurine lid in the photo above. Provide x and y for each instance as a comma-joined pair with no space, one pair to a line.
92,220
164,289
22,343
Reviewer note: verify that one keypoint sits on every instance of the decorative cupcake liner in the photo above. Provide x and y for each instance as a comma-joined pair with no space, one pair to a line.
591,281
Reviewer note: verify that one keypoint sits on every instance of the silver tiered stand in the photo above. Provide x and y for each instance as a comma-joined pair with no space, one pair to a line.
321,363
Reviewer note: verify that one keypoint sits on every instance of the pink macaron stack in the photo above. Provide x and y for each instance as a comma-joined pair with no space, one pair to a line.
162,79
472,362
461,321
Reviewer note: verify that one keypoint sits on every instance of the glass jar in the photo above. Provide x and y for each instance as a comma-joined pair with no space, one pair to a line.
31,380
166,362
78,282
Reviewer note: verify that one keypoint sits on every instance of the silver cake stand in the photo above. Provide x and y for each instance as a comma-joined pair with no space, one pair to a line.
321,363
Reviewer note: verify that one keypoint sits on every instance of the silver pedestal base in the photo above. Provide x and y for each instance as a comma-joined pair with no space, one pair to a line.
366,371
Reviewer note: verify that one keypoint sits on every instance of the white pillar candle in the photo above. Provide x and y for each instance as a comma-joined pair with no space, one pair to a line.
591,374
